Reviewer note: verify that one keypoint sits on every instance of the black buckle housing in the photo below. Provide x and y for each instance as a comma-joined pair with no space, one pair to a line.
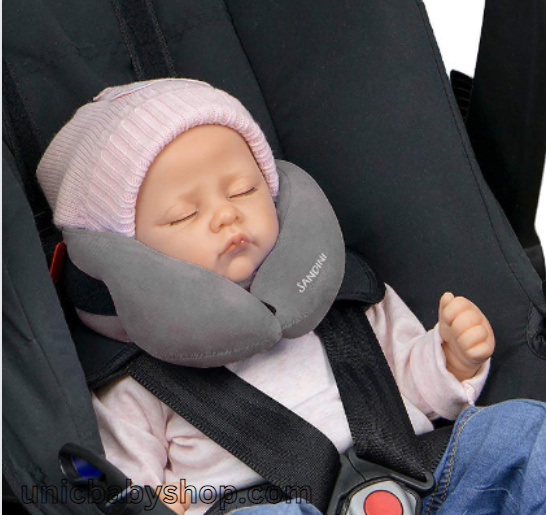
356,473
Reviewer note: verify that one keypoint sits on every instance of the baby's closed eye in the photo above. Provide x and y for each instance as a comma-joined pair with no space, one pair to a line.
183,219
244,193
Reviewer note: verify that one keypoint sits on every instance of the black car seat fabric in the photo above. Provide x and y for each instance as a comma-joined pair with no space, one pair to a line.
44,401
362,106
353,92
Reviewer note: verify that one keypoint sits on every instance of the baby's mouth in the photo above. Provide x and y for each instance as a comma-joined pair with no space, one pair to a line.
236,243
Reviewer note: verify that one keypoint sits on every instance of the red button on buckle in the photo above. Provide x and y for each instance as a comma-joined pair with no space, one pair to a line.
382,502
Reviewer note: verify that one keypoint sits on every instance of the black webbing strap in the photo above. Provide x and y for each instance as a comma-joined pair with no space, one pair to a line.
20,132
144,39
265,435
432,445
86,292
380,426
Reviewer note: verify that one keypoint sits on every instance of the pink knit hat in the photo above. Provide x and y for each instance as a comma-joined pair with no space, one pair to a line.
92,171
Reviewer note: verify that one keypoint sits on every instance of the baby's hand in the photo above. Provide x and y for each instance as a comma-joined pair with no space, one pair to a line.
467,335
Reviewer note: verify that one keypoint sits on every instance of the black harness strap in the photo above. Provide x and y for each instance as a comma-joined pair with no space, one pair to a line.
24,143
86,292
380,426
265,435
144,39
432,445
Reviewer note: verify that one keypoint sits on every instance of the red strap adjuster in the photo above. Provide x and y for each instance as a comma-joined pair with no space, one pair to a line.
57,263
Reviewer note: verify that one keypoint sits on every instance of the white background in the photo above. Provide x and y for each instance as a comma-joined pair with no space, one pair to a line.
457,27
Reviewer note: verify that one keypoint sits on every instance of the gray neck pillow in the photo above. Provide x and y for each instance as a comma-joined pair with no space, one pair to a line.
184,314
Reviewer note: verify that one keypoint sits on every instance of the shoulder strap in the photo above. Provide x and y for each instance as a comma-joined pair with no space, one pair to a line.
381,430
360,283
144,39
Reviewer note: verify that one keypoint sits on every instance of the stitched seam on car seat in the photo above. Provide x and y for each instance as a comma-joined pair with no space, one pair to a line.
44,354
182,34
83,51
197,20
20,306
26,105
422,11
68,49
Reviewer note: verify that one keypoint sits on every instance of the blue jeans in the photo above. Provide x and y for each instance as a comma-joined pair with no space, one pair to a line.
495,464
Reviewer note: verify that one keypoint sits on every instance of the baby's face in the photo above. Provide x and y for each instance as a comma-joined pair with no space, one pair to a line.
204,200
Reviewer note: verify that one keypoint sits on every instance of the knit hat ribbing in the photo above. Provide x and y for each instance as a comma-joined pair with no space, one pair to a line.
92,171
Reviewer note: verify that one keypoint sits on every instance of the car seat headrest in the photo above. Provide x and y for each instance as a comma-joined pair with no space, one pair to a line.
184,314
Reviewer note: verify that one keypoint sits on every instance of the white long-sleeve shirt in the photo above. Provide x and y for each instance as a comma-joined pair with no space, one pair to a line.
154,446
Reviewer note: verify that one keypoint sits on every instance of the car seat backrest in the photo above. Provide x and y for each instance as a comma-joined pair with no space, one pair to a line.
355,93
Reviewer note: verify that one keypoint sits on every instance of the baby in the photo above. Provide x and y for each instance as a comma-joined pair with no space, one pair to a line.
183,168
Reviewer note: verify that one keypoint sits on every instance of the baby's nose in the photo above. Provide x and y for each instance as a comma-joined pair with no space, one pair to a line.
224,216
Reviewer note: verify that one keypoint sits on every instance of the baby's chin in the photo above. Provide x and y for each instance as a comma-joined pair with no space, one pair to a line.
240,276
241,269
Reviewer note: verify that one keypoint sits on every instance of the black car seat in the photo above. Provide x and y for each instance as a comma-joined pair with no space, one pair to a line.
355,93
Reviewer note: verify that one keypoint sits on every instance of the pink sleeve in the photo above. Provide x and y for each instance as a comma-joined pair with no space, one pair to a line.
132,425
418,361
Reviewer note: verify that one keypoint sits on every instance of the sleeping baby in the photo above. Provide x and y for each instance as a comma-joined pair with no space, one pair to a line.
184,169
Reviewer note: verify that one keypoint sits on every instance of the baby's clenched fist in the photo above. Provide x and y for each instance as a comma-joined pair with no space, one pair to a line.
467,335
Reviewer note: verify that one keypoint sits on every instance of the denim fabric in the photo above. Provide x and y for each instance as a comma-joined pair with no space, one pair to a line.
495,464
282,508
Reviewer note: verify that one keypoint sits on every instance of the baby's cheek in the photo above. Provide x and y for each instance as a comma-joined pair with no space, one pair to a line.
272,233
200,256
